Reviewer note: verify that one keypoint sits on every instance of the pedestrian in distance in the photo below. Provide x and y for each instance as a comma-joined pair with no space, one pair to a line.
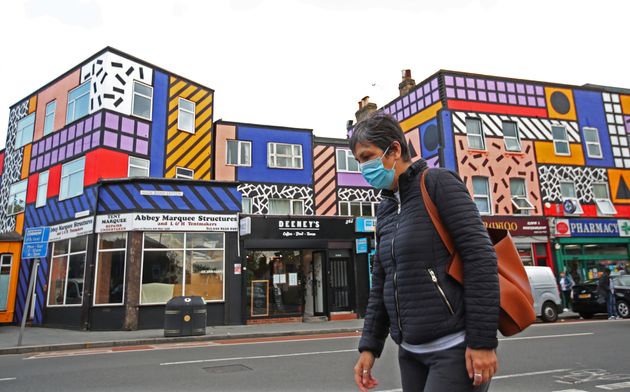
606,290
446,332
566,285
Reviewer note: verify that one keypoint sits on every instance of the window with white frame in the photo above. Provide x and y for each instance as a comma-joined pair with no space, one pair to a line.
184,173
142,101
481,195
246,205
567,190
357,208
520,201
138,167
286,207
17,197
49,117
65,286
78,103
474,131
510,136
175,264
42,189
346,161
560,140
593,146
5,279
72,176
602,199
284,156
186,115
24,132
239,153
109,284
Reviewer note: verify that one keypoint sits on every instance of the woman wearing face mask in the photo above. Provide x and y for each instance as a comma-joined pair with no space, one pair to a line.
446,332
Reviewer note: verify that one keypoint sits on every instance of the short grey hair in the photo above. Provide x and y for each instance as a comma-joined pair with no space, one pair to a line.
381,130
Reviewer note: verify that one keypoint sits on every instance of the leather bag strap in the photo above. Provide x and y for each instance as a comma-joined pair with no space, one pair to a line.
435,216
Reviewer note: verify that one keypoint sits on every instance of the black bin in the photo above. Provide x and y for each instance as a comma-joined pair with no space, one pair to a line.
185,316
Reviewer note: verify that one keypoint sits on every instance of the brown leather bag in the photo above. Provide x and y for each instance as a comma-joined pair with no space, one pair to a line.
517,304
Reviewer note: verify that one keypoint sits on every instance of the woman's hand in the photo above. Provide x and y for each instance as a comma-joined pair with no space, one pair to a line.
363,372
481,365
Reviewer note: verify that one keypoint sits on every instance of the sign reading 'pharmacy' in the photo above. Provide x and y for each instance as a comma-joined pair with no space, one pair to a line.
165,222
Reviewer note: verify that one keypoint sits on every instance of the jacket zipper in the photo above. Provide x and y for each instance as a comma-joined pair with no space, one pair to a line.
396,272
439,289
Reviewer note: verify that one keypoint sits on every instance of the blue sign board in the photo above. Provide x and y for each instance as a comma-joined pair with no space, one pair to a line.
35,242
365,225
362,245
594,228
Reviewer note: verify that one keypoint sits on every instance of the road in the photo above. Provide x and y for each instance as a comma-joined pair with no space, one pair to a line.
569,357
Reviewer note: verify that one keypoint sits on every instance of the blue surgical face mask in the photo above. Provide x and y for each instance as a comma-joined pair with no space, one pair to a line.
375,173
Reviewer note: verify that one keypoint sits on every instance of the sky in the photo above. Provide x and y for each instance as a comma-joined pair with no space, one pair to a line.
306,63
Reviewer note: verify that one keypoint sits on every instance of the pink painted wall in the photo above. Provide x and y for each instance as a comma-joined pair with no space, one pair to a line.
59,92
222,171
500,166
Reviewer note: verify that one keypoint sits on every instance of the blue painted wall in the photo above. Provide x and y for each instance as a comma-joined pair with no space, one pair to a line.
449,160
56,211
590,113
158,131
259,172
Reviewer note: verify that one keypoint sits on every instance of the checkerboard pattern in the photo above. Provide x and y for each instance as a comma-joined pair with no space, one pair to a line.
618,129
494,91
420,98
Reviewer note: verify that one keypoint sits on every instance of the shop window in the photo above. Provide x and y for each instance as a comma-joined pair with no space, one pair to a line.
142,100
525,253
17,197
176,264
139,167
42,189
510,136
184,173
186,115
24,132
78,103
49,118
357,208
346,161
567,190
109,285
593,146
481,195
602,199
67,270
284,156
560,140
72,174
246,205
239,153
5,279
286,207
474,130
520,202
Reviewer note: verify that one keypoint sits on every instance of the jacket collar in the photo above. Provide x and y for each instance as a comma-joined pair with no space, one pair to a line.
407,177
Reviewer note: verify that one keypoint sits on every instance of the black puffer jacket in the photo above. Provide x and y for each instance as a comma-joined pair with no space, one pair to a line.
412,297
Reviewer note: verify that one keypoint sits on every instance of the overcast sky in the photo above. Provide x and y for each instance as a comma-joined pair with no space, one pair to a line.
306,63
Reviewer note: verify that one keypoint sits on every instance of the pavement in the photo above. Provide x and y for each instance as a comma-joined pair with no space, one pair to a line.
40,339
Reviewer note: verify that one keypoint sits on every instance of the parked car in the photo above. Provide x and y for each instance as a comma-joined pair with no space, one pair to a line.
547,301
587,302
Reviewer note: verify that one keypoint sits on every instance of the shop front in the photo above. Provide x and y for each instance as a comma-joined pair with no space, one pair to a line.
530,235
10,249
297,268
585,247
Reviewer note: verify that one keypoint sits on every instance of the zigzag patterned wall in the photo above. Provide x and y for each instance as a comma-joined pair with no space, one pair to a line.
359,194
119,198
40,293
583,177
184,149
325,180
55,211
261,193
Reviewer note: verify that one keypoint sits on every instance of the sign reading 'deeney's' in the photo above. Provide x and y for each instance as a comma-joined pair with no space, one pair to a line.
302,228
165,222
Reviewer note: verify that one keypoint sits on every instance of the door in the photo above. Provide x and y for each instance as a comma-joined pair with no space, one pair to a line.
318,288
339,284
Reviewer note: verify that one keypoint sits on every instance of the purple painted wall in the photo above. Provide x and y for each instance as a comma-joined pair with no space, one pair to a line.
351,179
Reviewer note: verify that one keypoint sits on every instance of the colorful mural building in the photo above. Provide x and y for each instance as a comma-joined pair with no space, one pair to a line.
549,162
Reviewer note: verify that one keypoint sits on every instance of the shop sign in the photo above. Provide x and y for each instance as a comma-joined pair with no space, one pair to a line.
365,225
594,228
165,222
145,192
624,227
302,228
362,245
237,269
562,228
76,228
35,244
519,227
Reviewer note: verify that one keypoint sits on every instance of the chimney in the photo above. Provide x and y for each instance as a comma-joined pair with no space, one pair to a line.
365,109
407,82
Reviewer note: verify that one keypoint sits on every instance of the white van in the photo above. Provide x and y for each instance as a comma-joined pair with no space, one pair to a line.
547,300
